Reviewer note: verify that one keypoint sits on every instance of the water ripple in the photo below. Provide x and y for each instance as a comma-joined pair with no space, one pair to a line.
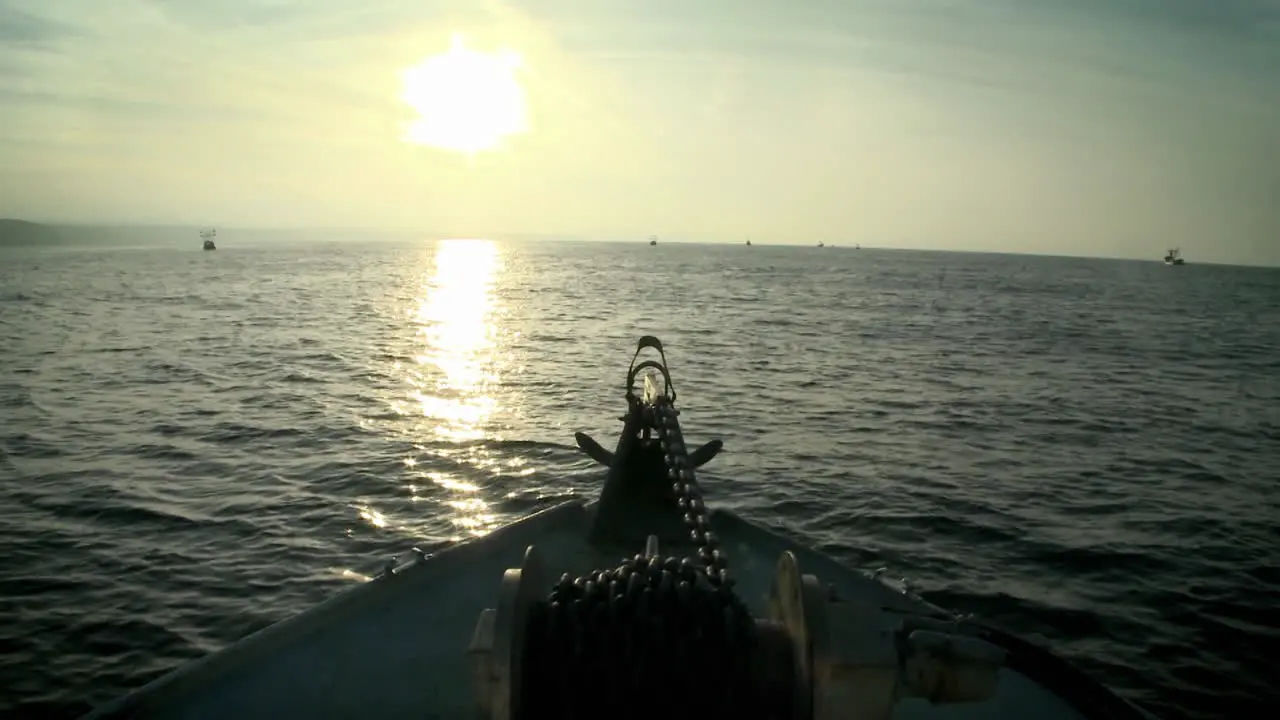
197,444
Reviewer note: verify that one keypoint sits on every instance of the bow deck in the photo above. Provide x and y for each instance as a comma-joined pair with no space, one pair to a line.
397,645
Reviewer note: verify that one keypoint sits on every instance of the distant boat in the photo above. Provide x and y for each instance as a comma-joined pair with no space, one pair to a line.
748,243
207,236
857,247
1174,257
653,240
821,244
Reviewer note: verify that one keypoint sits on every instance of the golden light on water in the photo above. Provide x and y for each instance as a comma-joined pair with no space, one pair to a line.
452,483
466,100
373,517
456,366
449,399
349,574
456,340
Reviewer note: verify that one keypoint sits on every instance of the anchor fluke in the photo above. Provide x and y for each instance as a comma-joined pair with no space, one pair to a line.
594,449
704,454
597,452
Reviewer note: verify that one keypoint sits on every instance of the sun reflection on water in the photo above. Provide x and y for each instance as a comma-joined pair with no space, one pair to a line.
373,517
454,371
451,381
455,365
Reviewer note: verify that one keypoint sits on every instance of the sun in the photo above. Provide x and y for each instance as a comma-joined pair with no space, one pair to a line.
467,101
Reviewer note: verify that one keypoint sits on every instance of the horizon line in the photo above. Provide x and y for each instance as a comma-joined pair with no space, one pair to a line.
610,238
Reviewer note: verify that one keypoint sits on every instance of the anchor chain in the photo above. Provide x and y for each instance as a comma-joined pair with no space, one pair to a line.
668,637
667,633
684,485
654,636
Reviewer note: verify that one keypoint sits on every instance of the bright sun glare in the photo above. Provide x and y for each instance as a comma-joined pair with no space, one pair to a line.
467,101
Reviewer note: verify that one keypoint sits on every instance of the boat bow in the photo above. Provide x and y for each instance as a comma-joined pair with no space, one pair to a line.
539,618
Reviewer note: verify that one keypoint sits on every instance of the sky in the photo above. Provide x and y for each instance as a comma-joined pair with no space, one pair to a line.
1078,127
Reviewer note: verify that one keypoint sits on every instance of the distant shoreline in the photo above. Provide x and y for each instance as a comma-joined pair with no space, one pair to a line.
17,233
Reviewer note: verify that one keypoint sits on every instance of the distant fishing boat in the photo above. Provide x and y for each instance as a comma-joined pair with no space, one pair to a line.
653,240
1174,257
821,244
207,236
748,242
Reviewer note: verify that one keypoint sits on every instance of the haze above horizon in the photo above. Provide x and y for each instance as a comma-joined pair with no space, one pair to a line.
1096,127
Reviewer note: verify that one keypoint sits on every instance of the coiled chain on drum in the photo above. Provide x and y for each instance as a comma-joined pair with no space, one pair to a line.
654,636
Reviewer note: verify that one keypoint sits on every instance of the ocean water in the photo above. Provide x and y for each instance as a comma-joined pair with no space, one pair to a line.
194,445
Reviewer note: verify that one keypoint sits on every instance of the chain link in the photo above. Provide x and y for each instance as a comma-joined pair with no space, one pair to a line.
684,485
665,635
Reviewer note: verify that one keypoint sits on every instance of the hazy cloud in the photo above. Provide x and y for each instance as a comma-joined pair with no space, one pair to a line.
19,28
1082,126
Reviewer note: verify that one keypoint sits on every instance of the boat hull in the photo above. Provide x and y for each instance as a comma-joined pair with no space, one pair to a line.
395,646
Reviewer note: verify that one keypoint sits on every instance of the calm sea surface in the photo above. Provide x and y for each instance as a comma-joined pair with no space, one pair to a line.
194,445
